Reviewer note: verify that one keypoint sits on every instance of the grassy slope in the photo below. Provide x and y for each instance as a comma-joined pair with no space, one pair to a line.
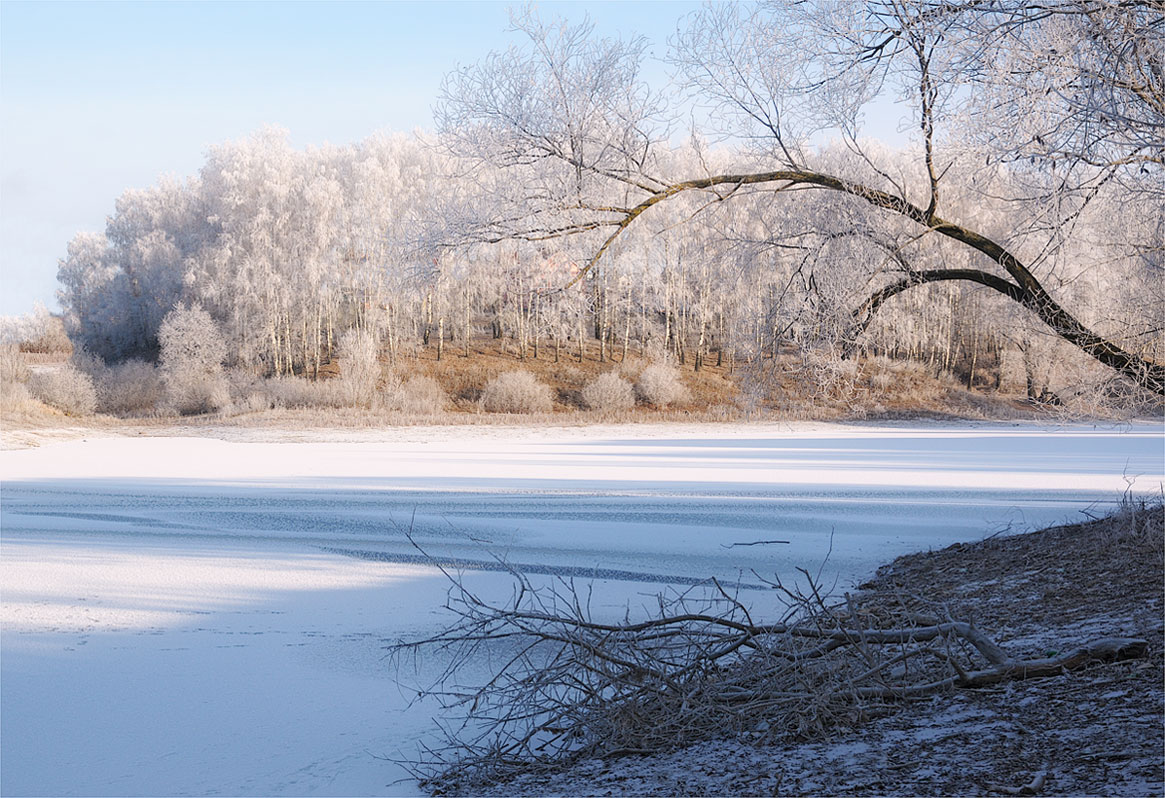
876,389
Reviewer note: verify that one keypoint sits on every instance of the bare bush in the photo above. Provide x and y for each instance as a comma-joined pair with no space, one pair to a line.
359,366
193,393
1110,396
193,349
66,389
13,369
134,387
14,375
14,396
609,393
249,403
826,373
899,380
660,384
881,381
292,392
85,361
516,392
418,395
252,393
246,391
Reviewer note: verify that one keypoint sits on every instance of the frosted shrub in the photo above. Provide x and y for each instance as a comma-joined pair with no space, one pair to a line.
609,393
419,396
49,338
516,392
66,389
13,376
249,403
290,392
246,390
86,362
251,393
190,394
359,366
882,381
193,350
15,395
134,387
13,370
660,385
39,331
827,373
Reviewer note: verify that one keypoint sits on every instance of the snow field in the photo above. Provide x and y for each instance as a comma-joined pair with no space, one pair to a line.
175,617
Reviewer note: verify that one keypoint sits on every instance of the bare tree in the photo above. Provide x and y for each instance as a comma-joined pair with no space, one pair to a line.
1068,82
571,123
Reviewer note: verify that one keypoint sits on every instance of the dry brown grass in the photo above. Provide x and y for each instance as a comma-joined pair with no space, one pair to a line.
778,390
464,378
27,423
876,388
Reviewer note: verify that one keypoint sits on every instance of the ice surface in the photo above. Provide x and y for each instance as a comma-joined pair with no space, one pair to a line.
177,615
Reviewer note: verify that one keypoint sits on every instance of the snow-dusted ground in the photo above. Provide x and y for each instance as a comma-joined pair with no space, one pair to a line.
192,615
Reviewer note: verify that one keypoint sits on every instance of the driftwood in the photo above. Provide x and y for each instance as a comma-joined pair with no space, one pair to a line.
568,686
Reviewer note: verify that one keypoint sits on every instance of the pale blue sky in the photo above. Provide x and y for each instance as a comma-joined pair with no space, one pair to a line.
99,97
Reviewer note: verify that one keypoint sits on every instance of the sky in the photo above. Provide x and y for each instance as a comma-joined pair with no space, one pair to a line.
96,98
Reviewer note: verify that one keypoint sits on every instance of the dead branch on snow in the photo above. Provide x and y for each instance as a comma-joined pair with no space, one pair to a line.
568,685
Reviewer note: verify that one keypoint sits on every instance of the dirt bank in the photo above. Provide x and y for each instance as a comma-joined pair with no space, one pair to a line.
1096,731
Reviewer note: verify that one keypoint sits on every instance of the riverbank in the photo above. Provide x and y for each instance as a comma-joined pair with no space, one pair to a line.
1095,731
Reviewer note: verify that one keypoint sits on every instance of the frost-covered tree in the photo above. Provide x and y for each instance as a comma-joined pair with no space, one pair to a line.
569,118
557,217
192,355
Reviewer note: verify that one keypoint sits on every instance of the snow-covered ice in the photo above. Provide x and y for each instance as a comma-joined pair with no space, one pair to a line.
193,615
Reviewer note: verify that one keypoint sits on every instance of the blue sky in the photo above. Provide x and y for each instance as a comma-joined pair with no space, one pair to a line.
96,98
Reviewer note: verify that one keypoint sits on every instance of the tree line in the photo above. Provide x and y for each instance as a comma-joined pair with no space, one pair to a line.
555,214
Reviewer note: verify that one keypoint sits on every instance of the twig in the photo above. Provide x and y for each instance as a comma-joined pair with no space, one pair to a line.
753,543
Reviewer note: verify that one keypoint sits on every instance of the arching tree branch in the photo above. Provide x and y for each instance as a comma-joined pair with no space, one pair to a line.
1027,289
865,313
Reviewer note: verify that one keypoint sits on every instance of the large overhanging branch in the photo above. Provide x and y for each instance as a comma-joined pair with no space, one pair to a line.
865,313
1027,290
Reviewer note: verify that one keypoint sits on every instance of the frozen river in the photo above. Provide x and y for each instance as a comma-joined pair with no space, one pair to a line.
190,615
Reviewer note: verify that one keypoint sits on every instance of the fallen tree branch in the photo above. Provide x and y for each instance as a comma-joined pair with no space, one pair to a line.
1106,650
569,685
